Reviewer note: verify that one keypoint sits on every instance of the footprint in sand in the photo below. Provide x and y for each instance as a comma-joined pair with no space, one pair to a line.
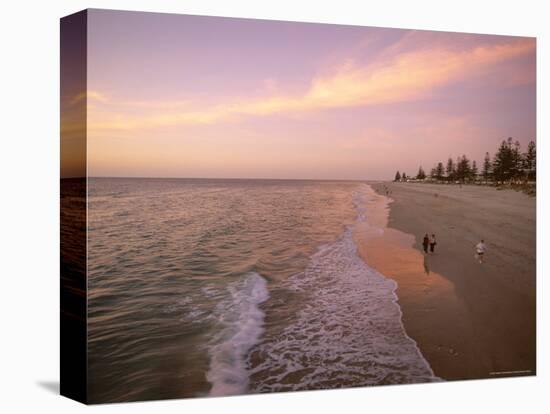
450,350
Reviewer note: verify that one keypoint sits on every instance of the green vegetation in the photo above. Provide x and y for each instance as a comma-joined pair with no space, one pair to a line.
509,166
421,174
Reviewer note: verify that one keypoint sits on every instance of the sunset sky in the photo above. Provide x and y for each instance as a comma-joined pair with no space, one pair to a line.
188,96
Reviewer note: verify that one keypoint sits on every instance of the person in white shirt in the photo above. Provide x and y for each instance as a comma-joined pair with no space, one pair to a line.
480,250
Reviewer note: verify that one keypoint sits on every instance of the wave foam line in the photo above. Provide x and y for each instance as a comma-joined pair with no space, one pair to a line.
242,321
349,331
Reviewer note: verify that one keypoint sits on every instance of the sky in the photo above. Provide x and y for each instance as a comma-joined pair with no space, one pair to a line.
191,96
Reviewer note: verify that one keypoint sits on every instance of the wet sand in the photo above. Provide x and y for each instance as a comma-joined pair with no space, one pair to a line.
470,320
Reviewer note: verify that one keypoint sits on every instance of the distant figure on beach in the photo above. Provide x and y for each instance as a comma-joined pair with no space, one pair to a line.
432,243
425,243
480,250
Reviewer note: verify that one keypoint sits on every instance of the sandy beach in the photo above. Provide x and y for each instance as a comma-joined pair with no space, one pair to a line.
470,320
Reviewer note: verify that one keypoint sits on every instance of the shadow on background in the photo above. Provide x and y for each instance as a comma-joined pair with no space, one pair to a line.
51,386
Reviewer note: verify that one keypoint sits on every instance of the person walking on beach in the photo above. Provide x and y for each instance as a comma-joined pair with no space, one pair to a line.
480,250
425,243
432,243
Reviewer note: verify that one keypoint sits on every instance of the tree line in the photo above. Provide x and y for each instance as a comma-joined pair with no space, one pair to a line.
509,164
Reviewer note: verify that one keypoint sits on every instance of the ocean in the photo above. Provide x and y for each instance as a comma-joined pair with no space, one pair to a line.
206,287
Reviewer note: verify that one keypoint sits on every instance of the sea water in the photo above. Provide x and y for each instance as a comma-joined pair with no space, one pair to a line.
204,287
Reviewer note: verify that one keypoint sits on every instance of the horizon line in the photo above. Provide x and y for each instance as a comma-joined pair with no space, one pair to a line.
225,178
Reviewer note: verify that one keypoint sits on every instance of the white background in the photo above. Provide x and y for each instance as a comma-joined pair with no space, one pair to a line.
29,224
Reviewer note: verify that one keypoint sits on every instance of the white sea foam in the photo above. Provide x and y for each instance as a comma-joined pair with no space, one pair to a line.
359,199
348,333
242,325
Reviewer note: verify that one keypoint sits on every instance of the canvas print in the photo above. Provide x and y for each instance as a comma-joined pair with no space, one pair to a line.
254,206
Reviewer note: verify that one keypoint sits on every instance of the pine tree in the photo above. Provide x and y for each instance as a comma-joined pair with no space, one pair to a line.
530,161
397,176
463,170
421,174
503,162
474,171
466,168
439,171
450,170
517,161
486,167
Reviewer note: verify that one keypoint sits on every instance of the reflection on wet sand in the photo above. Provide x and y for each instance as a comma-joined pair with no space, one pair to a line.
423,299
426,265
